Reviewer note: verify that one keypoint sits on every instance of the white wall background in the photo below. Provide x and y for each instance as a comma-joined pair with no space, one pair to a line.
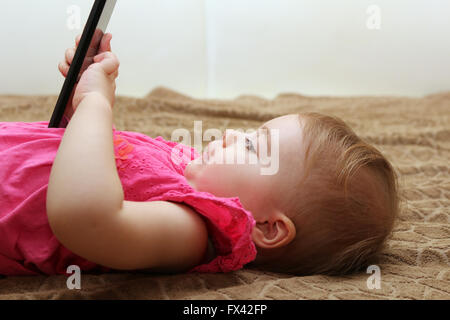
225,48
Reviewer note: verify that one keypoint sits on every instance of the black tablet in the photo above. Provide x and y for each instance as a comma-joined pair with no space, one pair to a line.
86,51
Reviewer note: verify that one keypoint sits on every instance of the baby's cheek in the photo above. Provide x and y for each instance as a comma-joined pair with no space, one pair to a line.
223,178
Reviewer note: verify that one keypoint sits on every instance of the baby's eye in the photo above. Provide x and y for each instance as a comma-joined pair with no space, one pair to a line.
249,145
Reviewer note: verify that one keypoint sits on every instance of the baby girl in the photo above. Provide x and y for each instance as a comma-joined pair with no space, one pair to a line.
106,200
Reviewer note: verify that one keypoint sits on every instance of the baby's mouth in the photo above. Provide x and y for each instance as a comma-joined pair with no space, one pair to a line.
206,154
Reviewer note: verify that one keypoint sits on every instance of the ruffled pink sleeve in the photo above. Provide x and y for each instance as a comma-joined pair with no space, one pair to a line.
229,225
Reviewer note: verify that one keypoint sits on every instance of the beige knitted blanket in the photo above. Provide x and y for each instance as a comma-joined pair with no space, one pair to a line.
414,133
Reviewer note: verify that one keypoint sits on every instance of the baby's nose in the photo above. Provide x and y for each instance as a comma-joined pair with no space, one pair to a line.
227,135
230,136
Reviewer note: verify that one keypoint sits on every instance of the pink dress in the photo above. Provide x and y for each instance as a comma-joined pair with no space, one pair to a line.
149,169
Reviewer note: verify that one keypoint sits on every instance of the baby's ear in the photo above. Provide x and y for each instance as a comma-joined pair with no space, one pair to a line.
275,233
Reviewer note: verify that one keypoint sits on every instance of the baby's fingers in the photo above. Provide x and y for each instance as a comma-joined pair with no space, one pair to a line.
105,44
77,40
63,68
109,61
115,74
70,53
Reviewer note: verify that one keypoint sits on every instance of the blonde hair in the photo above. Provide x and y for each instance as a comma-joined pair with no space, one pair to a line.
344,205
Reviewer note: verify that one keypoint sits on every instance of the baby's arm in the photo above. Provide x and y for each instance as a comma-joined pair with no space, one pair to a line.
85,200
84,174
84,170
88,214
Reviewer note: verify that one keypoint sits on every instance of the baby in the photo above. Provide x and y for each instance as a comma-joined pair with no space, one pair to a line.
328,207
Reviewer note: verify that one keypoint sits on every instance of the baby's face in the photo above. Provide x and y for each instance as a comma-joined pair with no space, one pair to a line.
258,188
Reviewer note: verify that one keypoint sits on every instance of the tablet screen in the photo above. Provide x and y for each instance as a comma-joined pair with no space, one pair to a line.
86,51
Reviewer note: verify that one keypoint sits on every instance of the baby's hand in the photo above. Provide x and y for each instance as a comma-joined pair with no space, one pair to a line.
98,72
